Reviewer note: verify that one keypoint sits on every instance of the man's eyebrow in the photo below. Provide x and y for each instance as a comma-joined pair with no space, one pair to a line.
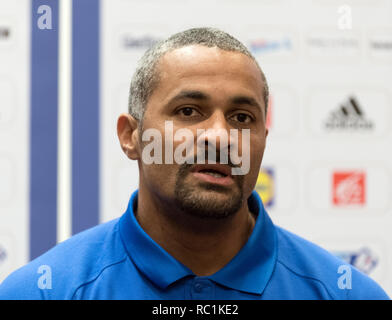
245,100
190,94
198,95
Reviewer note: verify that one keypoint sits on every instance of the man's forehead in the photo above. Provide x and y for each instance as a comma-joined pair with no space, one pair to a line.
197,51
198,59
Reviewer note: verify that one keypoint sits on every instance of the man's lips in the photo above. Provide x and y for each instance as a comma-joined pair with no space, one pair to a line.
213,173
219,168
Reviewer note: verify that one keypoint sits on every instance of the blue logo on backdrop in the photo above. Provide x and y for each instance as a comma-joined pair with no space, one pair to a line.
267,46
363,259
3,254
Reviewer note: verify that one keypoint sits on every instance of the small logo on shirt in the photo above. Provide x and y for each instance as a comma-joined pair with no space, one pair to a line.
349,188
265,186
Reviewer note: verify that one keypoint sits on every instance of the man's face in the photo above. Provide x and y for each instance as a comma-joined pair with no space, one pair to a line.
205,88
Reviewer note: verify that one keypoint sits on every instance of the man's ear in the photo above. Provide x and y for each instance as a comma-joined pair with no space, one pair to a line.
127,132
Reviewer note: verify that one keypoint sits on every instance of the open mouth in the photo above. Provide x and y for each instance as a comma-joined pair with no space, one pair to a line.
213,173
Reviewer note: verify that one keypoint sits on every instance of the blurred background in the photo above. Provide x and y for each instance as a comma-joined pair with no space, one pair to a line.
65,69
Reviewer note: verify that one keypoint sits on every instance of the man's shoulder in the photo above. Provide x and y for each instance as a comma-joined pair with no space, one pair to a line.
304,259
60,271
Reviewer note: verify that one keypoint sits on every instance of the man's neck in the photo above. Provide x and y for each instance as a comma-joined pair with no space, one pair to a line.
204,245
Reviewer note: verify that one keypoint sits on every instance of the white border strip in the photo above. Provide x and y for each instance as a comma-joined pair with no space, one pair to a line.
64,194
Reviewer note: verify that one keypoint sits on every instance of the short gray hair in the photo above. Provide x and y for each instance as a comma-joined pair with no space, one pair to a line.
145,78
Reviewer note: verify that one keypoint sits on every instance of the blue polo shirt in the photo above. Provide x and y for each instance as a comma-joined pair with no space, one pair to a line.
118,260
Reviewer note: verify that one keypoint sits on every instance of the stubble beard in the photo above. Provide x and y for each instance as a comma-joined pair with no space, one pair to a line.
199,200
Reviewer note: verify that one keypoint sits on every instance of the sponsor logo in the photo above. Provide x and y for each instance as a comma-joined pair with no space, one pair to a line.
265,186
327,44
268,120
3,255
349,116
349,188
333,42
144,42
381,45
4,33
260,46
363,259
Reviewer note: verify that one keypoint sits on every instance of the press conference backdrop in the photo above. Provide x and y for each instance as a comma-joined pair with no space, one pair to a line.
327,169
28,132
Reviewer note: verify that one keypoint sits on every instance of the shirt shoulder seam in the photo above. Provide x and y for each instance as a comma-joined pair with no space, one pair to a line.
98,275
307,277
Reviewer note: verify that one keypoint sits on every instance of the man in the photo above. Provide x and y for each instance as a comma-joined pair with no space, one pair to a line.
194,229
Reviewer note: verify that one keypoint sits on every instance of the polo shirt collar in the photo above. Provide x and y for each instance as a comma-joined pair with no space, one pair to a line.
249,271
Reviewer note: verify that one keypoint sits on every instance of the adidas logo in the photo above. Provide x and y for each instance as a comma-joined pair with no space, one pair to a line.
348,117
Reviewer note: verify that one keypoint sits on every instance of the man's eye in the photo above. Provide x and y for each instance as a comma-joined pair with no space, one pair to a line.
187,111
242,117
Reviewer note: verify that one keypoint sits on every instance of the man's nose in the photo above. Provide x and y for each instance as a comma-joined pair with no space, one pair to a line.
216,133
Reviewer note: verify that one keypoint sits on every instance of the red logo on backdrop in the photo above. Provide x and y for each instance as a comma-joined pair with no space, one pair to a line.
349,188
268,121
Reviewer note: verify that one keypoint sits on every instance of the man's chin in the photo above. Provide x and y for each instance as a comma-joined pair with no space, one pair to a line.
209,200
216,188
